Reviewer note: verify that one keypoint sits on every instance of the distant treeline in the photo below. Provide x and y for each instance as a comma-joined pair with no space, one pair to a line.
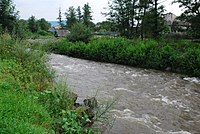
10,22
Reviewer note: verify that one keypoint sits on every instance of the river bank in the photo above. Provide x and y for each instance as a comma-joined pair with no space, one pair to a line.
31,101
175,56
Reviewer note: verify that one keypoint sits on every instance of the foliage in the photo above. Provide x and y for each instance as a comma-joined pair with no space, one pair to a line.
60,104
150,30
21,30
44,33
31,70
20,76
191,14
79,32
21,113
26,79
71,17
75,15
105,26
71,125
131,17
44,25
87,17
8,15
57,99
60,21
79,14
191,6
179,56
32,25
195,21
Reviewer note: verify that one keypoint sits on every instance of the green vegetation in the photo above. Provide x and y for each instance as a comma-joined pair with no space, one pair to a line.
21,113
30,100
22,73
79,32
177,56
137,18
192,15
19,28
8,16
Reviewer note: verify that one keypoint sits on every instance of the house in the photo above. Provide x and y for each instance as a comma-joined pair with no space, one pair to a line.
52,29
175,24
169,18
61,33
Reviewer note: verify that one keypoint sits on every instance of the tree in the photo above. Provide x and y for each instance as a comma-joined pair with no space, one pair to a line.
105,26
87,17
33,25
192,7
131,18
79,14
143,7
71,16
79,32
123,13
191,14
153,25
44,25
60,21
8,15
21,29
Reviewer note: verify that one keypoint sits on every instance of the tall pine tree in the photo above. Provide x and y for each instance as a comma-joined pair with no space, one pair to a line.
71,16
87,15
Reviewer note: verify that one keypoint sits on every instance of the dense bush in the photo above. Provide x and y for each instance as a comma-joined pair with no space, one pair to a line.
79,32
179,56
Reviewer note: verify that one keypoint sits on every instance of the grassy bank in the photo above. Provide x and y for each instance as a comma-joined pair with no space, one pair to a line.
30,101
176,56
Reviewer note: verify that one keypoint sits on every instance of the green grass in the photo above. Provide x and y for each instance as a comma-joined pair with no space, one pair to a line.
180,56
21,113
31,102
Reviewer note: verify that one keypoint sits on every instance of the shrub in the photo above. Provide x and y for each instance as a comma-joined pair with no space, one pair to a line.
180,56
79,32
44,33
29,65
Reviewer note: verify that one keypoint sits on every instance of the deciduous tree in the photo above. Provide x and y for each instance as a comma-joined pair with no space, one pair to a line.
44,25
33,25
8,15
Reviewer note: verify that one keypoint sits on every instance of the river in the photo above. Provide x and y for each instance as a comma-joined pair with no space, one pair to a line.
150,101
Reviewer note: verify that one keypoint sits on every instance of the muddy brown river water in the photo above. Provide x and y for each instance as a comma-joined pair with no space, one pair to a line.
150,102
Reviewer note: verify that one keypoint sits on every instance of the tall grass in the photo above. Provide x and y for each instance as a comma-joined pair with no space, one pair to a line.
30,100
179,56
26,65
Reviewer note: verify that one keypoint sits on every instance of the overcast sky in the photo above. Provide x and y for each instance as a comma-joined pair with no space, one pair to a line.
48,9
